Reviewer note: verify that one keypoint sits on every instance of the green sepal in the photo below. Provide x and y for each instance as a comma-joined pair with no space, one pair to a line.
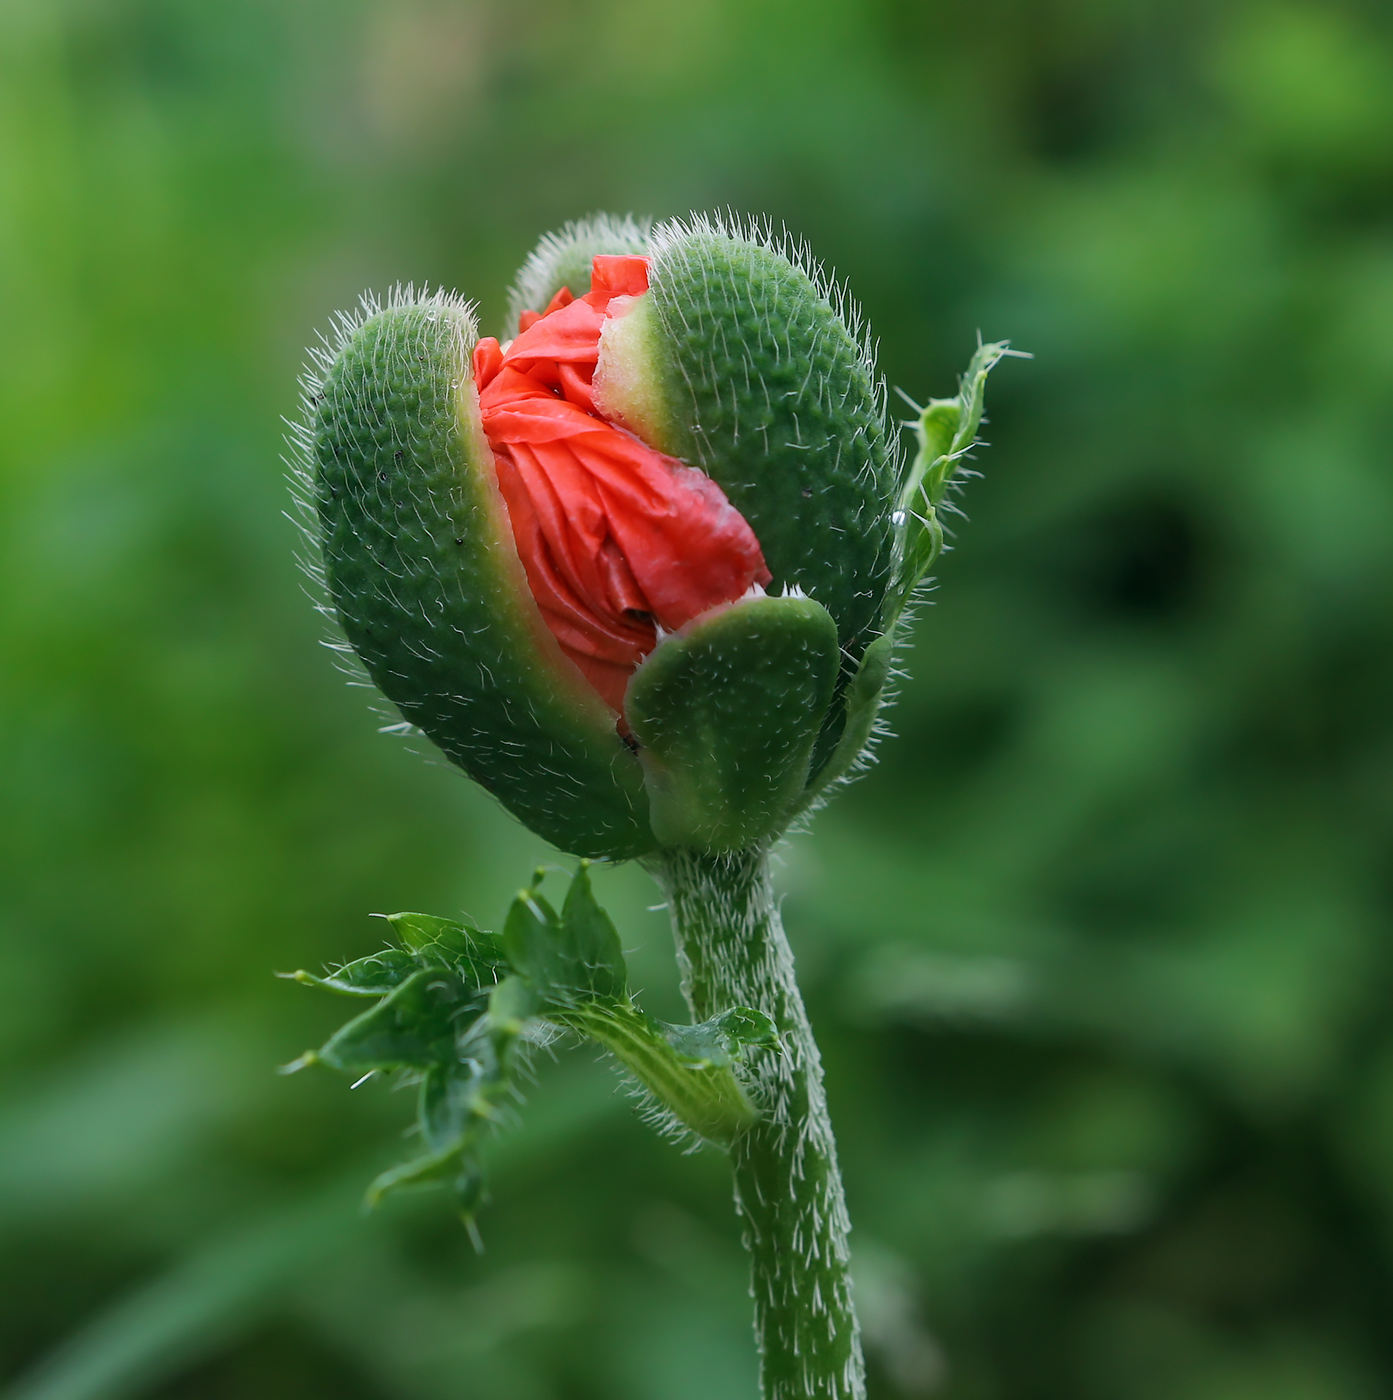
726,713
373,976
426,582
947,432
414,1027
762,383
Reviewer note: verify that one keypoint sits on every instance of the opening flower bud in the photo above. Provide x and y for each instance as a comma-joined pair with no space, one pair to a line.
631,568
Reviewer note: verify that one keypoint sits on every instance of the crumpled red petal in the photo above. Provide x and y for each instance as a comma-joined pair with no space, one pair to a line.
616,538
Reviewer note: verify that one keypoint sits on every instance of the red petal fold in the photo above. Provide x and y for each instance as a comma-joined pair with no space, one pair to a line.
614,536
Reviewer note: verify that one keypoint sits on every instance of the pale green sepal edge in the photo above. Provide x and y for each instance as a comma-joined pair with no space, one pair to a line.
563,258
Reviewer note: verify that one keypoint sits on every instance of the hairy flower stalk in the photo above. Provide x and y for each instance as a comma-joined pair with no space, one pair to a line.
788,1190
638,569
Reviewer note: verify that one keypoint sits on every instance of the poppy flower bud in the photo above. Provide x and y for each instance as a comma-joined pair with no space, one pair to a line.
628,568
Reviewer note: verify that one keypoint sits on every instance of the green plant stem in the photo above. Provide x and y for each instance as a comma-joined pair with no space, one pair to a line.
788,1191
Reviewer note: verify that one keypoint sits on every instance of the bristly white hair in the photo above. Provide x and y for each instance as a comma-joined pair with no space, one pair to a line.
667,238
760,231
578,241
300,466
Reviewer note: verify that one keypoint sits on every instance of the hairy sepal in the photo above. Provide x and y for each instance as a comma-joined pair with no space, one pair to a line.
768,388
426,582
726,713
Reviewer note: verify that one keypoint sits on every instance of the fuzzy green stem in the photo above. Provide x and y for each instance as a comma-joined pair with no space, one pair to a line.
788,1191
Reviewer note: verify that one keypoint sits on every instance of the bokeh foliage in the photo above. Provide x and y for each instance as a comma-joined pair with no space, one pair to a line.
1099,957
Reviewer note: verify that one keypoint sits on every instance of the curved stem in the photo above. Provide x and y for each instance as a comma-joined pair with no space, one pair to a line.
788,1191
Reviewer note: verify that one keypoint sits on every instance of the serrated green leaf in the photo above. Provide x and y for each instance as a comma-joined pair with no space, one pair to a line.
726,715
373,976
569,956
698,1088
592,941
532,941
947,431
469,1196
414,1027
462,1096
453,1099
420,1171
937,427
437,942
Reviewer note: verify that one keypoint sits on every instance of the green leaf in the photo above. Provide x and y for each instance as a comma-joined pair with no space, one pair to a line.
947,432
532,941
462,1097
414,1027
568,956
513,1003
592,942
437,942
454,1101
726,714
372,976
419,1171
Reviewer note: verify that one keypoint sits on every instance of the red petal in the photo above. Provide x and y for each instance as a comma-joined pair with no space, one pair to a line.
488,360
617,276
613,535
572,333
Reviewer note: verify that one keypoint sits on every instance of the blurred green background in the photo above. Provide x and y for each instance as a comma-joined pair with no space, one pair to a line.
1099,955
